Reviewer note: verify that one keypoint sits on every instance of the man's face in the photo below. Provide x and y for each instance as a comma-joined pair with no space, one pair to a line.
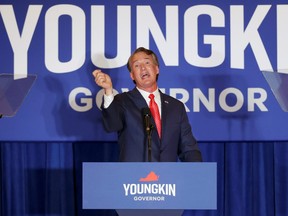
144,71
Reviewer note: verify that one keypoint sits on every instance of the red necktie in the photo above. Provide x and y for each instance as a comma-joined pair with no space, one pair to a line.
155,113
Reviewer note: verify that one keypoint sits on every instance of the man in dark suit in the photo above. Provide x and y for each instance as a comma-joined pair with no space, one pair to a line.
123,113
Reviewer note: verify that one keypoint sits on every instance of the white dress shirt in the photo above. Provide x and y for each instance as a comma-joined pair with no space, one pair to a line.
109,98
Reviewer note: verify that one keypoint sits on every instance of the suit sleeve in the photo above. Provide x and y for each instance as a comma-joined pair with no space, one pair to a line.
188,147
112,116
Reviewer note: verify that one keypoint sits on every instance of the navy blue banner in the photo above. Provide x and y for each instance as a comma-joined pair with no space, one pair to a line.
211,54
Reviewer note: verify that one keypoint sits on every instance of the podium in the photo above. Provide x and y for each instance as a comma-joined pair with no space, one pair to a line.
13,93
138,189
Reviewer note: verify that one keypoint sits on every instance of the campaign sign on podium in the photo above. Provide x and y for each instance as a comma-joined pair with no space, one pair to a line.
149,185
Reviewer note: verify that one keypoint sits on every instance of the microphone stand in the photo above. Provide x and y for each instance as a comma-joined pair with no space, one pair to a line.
148,129
149,142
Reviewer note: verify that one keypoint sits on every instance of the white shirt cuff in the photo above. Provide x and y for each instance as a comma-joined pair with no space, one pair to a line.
108,100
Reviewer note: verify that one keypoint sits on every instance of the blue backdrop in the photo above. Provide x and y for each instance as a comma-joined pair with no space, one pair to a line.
211,55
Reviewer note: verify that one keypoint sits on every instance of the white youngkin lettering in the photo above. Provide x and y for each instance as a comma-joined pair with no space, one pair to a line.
159,189
167,43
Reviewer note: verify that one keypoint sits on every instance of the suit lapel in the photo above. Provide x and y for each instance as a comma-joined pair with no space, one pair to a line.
164,115
140,103
137,98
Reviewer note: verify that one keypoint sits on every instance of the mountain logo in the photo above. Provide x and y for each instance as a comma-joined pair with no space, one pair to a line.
150,177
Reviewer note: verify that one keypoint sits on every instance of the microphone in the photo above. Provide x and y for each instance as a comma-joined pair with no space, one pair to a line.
146,115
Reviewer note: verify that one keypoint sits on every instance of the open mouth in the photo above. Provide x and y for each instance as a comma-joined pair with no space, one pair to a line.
144,76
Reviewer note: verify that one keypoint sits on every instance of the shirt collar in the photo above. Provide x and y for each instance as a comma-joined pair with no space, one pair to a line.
146,94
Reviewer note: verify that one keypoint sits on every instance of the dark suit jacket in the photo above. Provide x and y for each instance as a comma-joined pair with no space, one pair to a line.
177,141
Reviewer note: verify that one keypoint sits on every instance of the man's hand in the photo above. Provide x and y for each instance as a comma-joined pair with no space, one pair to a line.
103,80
